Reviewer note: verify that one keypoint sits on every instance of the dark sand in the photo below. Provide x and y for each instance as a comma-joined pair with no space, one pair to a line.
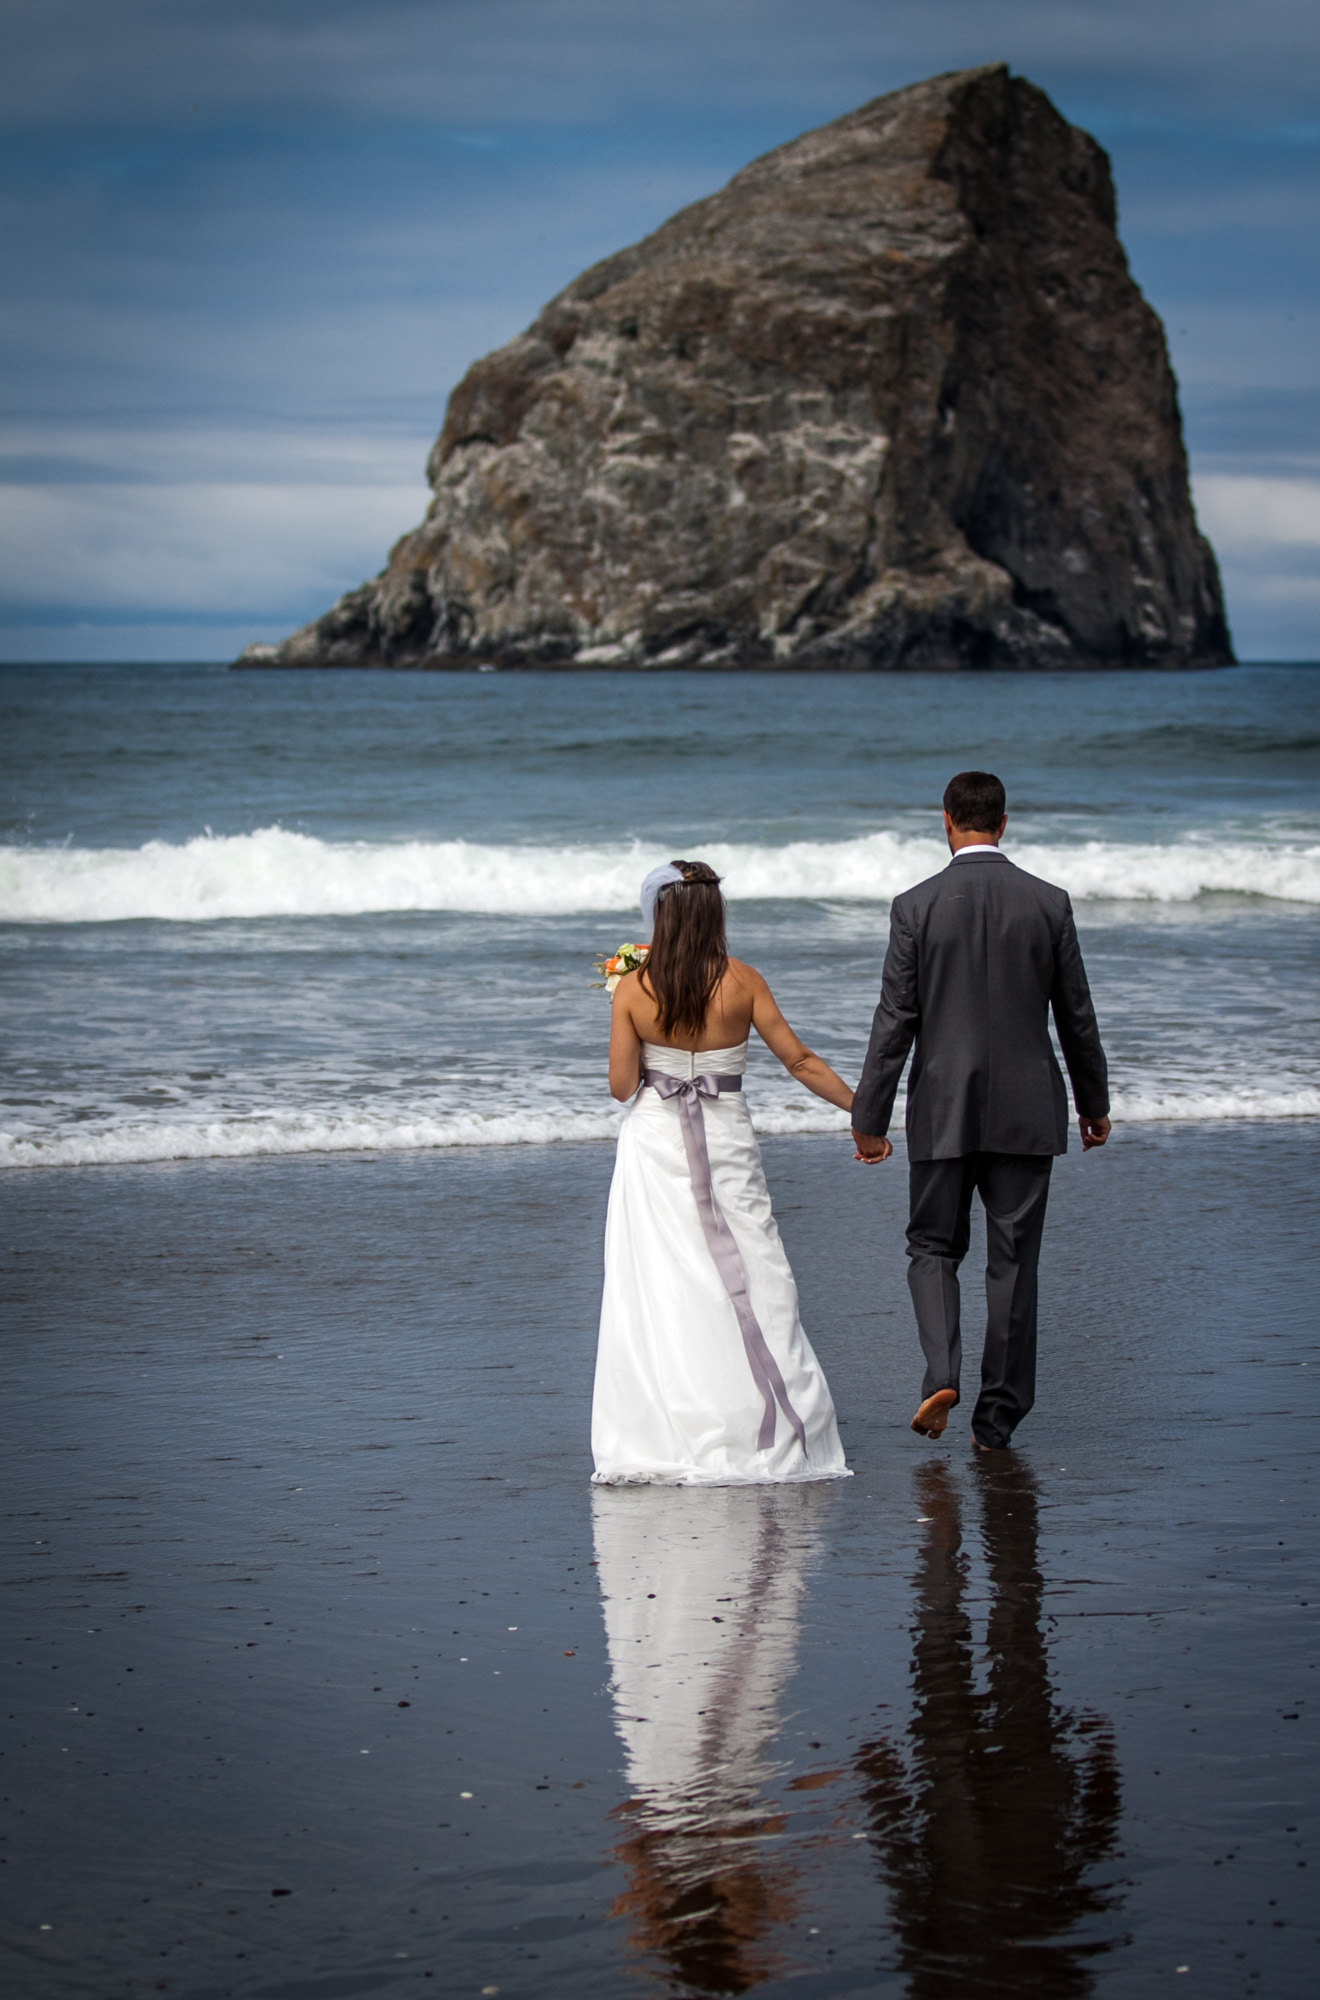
292,1446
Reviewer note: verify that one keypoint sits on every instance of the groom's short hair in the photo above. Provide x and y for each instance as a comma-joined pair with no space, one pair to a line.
975,802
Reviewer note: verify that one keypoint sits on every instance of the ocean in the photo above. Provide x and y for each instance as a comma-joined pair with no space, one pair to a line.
326,1672
250,914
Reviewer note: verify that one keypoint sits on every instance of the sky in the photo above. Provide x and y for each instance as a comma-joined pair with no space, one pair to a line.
249,246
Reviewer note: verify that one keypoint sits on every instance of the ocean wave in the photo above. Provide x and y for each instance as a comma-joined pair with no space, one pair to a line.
276,873
1179,1106
388,1129
250,1136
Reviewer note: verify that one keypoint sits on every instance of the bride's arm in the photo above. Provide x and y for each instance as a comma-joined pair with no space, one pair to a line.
793,1053
625,1044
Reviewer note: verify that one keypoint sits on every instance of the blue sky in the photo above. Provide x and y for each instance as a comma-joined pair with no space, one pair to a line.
250,246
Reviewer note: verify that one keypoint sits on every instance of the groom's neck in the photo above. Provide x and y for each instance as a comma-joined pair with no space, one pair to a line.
966,836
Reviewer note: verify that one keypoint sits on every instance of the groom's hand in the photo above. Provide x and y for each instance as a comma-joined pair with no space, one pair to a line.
1094,1132
870,1147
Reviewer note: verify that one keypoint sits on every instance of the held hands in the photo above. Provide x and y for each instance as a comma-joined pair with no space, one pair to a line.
1094,1132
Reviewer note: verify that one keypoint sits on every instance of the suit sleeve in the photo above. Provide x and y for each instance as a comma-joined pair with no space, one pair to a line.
893,1031
1074,1017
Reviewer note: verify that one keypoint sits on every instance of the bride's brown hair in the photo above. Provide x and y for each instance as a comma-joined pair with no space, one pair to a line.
689,953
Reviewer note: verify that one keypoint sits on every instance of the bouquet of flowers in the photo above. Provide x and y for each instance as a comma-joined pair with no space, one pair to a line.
628,958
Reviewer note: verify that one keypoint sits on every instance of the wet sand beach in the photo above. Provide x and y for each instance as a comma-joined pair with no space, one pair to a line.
330,1675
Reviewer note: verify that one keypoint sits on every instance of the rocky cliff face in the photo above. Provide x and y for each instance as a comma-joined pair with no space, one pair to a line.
890,399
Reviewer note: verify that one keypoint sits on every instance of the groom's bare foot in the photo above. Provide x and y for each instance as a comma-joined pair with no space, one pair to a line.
934,1413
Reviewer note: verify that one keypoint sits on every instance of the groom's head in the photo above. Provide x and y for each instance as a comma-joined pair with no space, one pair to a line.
974,807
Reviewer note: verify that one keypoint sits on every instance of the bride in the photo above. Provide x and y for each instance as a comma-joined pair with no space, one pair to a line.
704,1376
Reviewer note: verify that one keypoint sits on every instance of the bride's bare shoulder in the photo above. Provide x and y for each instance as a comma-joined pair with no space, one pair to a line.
744,975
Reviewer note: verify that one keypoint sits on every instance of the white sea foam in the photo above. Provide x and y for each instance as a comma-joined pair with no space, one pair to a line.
1157,1104
386,1128
1179,1106
367,1129
275,873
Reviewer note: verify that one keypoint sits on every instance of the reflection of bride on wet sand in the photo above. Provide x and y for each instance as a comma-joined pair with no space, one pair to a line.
702,1590
987,1816
987,1827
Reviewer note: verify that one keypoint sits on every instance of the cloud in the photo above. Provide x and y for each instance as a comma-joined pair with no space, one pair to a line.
1240,512
337,281
260,551
252,244
102,640
44,454
1287,206
1229,346
1266,532
503,62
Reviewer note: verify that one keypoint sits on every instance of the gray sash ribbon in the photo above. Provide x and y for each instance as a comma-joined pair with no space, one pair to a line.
721,1244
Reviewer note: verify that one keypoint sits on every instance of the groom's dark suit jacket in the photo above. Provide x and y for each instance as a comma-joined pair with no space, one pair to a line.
978,956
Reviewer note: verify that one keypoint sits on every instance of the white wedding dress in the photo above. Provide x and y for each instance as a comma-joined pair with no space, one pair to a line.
704,1376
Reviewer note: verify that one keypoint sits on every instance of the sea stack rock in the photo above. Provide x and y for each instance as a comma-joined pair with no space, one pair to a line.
890,399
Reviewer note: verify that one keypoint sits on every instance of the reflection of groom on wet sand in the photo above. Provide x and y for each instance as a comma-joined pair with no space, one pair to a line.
988,1821
978,958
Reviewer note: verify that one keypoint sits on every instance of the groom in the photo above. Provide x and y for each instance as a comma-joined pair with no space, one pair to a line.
977,958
